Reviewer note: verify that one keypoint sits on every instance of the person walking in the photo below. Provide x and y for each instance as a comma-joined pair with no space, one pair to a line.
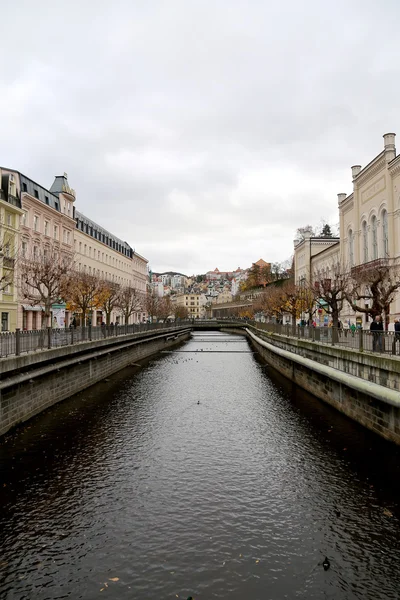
377,332
396,331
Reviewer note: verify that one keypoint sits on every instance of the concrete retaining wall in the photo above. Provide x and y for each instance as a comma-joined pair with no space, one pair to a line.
362,386
29,384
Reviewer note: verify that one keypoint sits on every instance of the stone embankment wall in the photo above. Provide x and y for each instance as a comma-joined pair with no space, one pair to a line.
362,385
33,382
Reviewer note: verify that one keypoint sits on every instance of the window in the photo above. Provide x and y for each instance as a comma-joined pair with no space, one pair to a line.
90,250
68,237
56,232
35,252
36,223
85,247
24,218
374,227
46,198
385,240
46,228
24,248
365,241
45,254
9,219
36,193
64,236
24,187
80,247
351,248
98,254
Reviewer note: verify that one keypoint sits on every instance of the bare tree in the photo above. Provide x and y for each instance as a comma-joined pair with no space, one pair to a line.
83,292
164,309
332,288
372,287
152,302
8,255
44,277
131,300
180,312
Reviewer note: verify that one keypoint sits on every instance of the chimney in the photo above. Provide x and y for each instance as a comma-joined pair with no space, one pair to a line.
341,198
355,169
390,148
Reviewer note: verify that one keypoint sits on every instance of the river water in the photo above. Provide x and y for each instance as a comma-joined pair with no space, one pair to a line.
134,490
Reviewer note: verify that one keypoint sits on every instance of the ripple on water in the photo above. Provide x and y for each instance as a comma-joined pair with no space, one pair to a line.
135,489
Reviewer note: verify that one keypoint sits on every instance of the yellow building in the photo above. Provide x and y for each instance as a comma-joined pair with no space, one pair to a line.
194,303
10,215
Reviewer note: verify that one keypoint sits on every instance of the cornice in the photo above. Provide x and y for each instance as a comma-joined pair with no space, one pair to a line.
394,166
371,169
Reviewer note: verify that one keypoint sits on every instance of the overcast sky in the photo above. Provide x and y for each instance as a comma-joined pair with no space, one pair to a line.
202,132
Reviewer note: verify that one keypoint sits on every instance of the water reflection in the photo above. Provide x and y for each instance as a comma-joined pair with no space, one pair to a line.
134,489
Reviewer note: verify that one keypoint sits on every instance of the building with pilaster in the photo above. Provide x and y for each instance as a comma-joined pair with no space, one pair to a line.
369,228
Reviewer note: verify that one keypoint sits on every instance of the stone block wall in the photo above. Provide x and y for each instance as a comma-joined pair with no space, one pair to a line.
53,376
382,417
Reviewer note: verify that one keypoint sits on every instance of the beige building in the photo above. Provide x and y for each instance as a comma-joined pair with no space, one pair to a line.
36,220
10,219
369,226
195,304
99,252
46,222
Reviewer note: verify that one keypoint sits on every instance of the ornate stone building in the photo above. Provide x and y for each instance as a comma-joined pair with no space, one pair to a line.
369,226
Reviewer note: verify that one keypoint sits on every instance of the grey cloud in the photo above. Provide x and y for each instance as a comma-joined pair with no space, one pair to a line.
203,133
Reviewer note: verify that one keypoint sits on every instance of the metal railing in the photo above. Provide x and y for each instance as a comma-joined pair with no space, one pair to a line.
20,342
382,342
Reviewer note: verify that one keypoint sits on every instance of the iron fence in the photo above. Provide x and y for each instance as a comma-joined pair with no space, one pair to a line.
20,342
382,342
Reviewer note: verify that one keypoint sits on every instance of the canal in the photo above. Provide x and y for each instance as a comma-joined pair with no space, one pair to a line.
200,474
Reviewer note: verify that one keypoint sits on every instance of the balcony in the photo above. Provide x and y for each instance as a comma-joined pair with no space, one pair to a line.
367,267
14,201
8,263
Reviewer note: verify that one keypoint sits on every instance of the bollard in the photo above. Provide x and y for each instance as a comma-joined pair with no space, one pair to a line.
17,342
360,340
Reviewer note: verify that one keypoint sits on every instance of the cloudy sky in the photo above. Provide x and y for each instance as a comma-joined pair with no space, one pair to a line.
202,132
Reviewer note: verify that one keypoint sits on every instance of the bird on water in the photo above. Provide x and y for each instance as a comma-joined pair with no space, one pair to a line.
326,564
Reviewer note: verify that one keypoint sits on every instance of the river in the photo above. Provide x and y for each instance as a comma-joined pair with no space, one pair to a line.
200,474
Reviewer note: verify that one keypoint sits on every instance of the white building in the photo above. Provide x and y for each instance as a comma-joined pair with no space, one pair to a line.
369,226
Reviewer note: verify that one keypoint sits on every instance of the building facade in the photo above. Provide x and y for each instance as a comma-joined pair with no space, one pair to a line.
36,220
10,220
194,303
369,228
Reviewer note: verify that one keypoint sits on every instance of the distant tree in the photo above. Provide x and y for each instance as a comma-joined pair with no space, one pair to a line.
326,231
254,278
44,277
152,301
180,312
83,293
107,298
164,308
306,229
131,301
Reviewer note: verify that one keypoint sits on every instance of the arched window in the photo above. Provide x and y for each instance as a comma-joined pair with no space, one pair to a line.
374,227
351,248
385,239
365,241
